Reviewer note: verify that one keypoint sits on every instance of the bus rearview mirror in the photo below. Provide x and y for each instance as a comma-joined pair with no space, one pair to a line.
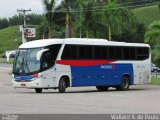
39,54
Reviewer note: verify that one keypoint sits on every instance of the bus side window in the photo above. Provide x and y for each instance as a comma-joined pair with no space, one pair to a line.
46,61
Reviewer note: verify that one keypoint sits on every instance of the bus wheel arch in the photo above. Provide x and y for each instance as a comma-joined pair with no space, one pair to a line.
125,82
64,82
102,88
38,90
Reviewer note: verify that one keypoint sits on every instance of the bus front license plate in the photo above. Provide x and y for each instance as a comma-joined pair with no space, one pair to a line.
23,85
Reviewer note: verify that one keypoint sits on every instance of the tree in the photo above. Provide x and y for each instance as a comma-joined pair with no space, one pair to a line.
116,18
33,19
67,6
42,30
89,16
100,2
49,6
152,36
156,55
88,21
136,36
15,20
3,23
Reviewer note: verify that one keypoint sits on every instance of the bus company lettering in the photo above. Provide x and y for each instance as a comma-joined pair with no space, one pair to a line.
110,67
141,66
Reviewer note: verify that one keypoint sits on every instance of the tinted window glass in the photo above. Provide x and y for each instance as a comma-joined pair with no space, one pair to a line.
74,51
112,52
129,53
97,52
77,52
49,57
142,53
89,52
66,52
82,54
132,53
126,53
118,53
104,52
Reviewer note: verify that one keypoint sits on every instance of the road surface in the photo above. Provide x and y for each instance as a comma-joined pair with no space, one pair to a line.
87,100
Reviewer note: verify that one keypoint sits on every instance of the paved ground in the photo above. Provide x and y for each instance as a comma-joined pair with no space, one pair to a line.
5,66
139,99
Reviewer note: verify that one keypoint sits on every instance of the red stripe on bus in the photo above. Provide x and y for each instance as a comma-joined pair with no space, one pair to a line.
84,62
34,75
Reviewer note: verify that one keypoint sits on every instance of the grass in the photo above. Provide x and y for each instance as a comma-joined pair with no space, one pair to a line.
147,14
10,62
4,60
155,81
7,38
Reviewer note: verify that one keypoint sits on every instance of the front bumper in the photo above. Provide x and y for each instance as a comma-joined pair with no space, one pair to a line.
26,84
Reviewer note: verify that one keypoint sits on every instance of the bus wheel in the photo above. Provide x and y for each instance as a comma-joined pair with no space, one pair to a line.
102,88
124,84
62,85
38,90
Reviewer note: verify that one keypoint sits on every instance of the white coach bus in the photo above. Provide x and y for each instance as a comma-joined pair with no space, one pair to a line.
62,63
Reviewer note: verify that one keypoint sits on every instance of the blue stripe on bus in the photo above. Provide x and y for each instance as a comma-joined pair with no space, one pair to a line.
107,74
23,77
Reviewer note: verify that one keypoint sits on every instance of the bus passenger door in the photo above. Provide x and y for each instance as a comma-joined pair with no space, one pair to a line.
48,70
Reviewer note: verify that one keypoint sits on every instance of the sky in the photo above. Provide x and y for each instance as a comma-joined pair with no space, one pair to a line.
8,8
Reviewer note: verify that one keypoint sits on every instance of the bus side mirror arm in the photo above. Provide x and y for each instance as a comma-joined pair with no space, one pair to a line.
39,54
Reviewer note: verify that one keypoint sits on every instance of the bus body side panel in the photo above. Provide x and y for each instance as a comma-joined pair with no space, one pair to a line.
62,70
108,74
142,72
84,73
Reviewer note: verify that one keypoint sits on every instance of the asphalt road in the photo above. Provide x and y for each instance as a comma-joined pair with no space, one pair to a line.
4,66
82,100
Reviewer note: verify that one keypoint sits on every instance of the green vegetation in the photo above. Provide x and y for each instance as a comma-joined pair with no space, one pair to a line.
86,21
8,37
81,18
11,60
3,23
155,81
33,19
116,18
152,35
49,6
150,16
156,55
147,14
66,5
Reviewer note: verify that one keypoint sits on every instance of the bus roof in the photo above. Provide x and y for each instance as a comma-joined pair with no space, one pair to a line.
81,41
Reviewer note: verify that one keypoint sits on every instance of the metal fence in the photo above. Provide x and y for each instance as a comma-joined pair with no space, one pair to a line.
155,74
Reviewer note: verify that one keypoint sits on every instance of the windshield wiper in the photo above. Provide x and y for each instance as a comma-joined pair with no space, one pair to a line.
26,65
21,65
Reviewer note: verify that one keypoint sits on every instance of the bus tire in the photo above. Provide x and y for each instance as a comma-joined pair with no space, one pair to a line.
124,84
38,90
102,88
62,85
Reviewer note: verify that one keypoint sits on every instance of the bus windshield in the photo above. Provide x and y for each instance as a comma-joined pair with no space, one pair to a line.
26,61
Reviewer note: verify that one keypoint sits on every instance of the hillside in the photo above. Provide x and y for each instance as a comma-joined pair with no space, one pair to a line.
147,14
7,38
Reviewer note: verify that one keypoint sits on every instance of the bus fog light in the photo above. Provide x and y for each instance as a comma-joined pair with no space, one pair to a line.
40,75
